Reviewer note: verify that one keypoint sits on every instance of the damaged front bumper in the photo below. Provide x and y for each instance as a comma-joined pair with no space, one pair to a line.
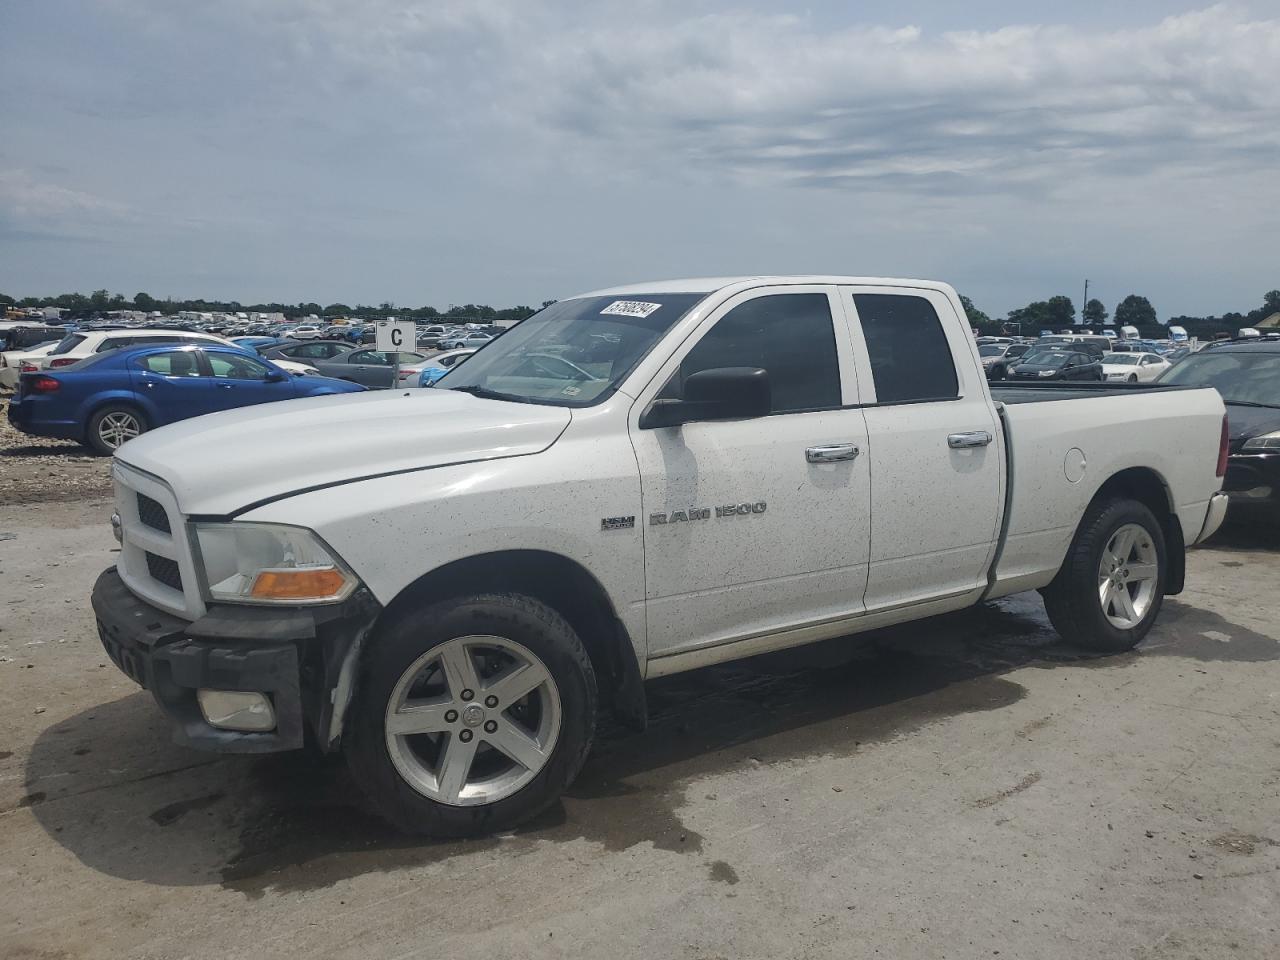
301,659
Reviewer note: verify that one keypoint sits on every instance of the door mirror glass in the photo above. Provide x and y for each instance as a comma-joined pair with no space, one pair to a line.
721,393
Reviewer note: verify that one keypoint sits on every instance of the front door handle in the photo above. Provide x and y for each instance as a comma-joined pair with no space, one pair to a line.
831,453
962,441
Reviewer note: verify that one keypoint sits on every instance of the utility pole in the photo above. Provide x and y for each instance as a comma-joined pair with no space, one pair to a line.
1083,305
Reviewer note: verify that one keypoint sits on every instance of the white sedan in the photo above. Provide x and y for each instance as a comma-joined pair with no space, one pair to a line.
439,364
1133,367
11,362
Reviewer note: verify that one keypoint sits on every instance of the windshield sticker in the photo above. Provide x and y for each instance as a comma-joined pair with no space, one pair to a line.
631,308
571,391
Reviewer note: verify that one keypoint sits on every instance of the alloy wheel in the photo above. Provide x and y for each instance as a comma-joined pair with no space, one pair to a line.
117,427
473,720
1127,576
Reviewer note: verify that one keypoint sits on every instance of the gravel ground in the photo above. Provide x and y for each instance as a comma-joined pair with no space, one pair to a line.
965,787
36,470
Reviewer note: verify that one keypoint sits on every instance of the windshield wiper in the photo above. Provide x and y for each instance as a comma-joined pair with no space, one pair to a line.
485,393
1251,403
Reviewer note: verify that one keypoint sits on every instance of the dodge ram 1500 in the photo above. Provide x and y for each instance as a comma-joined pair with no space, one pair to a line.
444,583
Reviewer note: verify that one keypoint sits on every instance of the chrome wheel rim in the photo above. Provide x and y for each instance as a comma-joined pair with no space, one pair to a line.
1127,576
115,428
473,720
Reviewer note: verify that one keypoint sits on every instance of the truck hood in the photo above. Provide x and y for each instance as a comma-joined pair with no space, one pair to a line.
222,463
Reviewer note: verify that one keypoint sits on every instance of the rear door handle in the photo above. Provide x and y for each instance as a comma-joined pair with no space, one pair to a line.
961,441
831,453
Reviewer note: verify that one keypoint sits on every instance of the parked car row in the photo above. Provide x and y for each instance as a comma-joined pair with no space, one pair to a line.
113,396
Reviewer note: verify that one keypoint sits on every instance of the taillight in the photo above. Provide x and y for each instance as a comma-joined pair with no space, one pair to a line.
43,385
1223,448
63,361
26,367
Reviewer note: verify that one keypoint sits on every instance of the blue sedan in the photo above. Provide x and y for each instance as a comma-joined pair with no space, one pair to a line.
112,397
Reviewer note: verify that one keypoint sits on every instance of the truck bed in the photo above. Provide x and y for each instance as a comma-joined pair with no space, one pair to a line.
1010,392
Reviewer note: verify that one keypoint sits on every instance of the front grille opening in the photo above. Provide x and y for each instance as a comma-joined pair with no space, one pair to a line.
164,570
152,514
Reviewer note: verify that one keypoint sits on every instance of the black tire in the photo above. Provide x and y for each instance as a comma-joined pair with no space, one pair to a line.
400,643
1072,599
1133,378
94,430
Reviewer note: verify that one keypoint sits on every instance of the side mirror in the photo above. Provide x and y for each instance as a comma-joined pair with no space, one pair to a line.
275,376
721,393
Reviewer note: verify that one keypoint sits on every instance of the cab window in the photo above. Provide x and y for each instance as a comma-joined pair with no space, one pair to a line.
910,358
788,334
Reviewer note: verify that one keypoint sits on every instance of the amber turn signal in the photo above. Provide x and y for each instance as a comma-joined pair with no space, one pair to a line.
304,583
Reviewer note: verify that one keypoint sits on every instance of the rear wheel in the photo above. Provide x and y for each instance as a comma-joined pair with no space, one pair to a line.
473,715
113,425
1111,585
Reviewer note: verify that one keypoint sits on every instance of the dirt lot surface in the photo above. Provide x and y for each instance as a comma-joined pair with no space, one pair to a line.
36,470
962,787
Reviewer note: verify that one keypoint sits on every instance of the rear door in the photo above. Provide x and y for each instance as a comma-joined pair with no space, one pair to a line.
934,446
757,525
173,384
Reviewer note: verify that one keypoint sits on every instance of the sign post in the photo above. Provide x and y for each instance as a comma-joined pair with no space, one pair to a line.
394,336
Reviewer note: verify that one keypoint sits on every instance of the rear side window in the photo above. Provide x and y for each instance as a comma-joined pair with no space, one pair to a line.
790,335
910,357
116,343
178,364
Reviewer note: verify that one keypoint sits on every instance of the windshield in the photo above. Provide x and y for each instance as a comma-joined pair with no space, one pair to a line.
572,354
1121,359
69,343
991,350
1045,358
1248,378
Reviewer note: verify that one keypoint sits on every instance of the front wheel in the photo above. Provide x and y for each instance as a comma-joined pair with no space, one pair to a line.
113,425
473,715
1133,378
1111,585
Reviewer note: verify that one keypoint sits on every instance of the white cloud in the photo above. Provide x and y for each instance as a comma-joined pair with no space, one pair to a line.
28,200
777,97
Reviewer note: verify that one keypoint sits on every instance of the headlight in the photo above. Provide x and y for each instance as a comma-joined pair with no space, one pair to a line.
270,563
1268,441
1046,373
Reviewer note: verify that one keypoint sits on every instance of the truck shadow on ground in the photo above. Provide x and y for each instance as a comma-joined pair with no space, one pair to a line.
108,786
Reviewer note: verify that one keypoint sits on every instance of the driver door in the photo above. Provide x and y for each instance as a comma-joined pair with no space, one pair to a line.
756,526
241,381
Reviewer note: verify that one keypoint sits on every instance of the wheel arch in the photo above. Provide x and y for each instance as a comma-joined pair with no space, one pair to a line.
1149,488
564,585
114,398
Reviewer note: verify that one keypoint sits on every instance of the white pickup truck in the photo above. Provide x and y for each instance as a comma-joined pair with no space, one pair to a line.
446,583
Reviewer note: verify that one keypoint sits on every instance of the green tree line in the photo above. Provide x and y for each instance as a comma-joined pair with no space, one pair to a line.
1055,313
1059,313
100,301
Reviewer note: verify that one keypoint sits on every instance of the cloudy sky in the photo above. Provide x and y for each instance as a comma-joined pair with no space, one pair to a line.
508,151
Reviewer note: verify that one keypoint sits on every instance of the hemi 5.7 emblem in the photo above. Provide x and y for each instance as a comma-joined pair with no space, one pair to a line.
705,513
617,523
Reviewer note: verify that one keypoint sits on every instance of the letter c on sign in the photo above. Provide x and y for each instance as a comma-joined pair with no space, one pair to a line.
396,338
